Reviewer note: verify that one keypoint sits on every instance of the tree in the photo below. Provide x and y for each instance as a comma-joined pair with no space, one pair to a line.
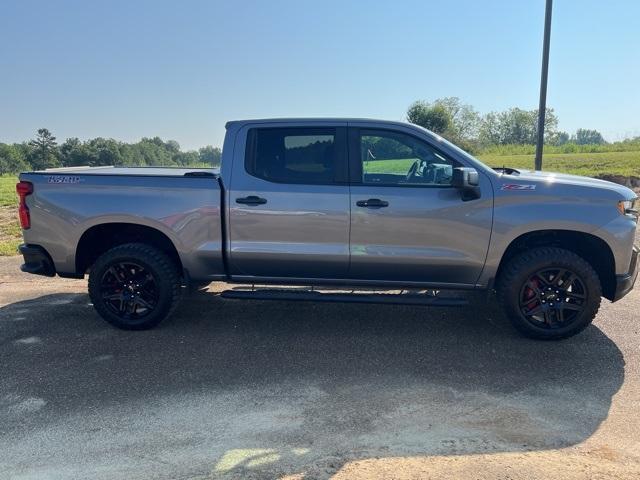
558,138
518,126
433,117
153,151
515,126
465,120
210,155
104,152
448,117
73,153
550,123
585,136
172,146
190,158
12,159
490,131
44,153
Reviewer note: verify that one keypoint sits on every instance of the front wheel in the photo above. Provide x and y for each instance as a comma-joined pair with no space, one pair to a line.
134,286
549,293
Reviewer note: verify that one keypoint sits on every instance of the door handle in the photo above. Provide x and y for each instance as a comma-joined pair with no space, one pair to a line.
372,203
251,200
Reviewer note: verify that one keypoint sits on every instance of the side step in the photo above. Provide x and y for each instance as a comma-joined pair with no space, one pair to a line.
315,296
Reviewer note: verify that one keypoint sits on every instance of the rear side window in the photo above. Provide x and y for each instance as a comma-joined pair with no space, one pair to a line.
292,155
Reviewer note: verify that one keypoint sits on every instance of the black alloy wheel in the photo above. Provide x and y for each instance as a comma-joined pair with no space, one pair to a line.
134,286
549,293
129,290
551,298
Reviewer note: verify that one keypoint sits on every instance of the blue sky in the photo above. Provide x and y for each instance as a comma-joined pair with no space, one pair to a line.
181,69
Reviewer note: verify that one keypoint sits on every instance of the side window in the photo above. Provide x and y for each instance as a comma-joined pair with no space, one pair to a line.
394,158
292,155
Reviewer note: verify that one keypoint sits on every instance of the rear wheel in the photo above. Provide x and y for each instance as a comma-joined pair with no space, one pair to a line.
134,286
549,293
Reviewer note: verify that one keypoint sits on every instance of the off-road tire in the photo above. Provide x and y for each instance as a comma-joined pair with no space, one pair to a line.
163,271
521,268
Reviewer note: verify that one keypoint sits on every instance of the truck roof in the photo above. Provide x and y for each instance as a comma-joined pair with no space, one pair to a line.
322,120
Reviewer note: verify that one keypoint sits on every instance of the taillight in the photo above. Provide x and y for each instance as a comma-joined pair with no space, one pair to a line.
23,189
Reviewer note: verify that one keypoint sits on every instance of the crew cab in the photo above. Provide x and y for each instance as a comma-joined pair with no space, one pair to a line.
340,203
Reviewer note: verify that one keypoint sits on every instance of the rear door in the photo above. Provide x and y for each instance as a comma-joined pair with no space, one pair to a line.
408,223
289,202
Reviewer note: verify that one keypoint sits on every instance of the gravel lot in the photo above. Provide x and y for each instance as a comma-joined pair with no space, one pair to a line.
230,389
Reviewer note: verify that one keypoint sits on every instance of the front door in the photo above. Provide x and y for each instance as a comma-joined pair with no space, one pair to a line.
408,223
289,203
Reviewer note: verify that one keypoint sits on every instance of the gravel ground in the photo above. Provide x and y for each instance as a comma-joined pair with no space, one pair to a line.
230,389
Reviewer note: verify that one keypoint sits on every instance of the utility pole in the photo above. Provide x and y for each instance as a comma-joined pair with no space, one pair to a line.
542,108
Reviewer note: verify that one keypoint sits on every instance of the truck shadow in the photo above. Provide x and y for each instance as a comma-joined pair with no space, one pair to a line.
294,388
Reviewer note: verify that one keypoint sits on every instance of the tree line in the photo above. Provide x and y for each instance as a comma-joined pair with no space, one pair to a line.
44,152
466,127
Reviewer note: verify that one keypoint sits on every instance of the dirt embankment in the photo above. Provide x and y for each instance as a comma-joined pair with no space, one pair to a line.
631,182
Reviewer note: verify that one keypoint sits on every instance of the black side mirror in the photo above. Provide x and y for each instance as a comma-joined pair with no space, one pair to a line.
467,181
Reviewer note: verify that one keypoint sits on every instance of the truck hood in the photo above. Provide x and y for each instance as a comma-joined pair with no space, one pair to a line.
566,179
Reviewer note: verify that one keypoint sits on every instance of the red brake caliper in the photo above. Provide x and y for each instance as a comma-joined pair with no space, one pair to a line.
530,293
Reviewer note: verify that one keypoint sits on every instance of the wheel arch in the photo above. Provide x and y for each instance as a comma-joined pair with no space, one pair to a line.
591,248
99,238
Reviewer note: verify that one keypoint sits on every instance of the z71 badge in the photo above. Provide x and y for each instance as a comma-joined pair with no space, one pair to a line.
63,179
518,186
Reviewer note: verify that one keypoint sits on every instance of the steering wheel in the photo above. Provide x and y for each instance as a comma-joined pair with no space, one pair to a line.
412,170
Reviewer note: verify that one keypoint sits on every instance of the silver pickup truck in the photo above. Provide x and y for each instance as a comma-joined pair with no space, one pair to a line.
339,203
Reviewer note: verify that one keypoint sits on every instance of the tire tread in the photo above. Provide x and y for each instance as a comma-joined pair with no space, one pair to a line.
538,256
160,261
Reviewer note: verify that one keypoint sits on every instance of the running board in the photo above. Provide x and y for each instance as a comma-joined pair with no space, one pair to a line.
391,299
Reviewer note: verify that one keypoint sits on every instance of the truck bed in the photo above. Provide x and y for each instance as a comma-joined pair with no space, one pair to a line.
74,207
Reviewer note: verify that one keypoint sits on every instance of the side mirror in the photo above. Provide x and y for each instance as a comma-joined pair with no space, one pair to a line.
467,181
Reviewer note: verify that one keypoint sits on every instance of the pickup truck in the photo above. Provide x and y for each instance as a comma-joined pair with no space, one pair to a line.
348,204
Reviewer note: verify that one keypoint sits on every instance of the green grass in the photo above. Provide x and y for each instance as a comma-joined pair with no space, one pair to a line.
8,191
626,146
588,164
10,237
10,232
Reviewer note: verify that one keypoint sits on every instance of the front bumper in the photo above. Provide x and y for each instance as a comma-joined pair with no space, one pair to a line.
36,260
625,283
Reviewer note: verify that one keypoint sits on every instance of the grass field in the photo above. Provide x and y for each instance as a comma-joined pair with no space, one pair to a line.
8,191
590,164
10,233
